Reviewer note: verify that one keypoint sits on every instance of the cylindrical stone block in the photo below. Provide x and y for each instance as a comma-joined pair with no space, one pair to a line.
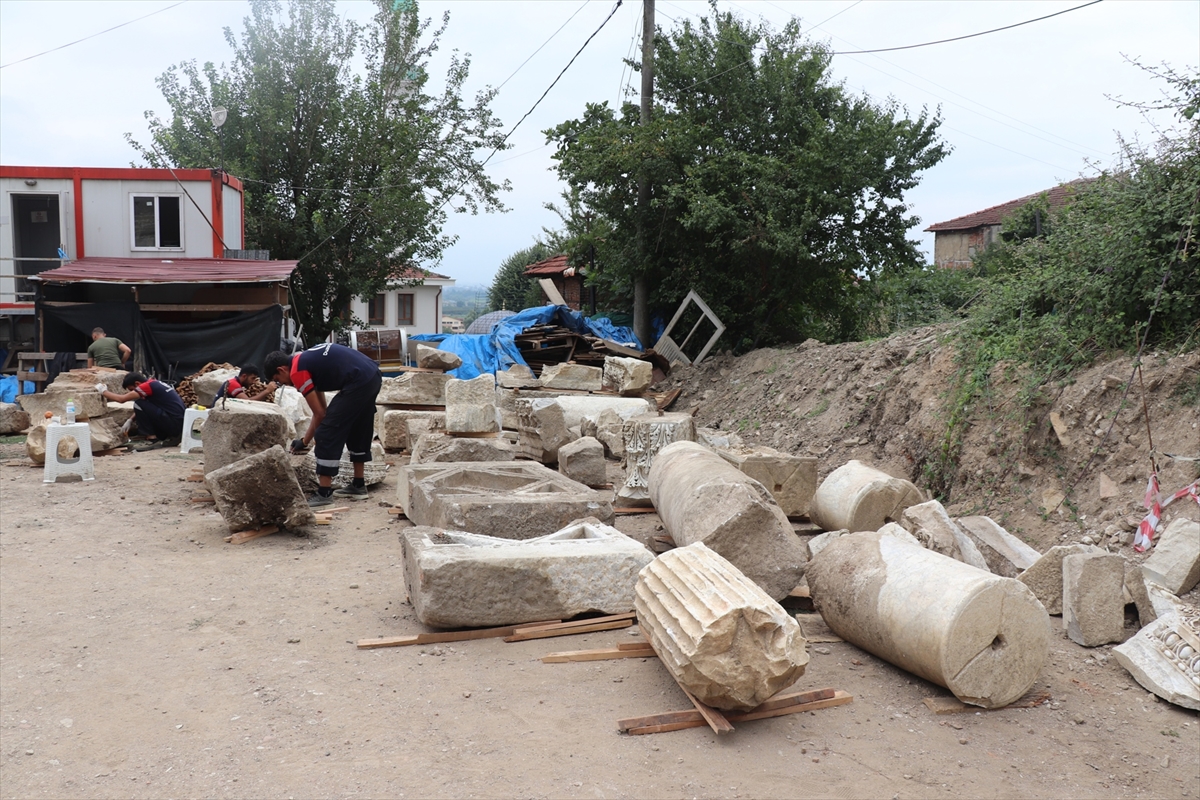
702,498
858,497
983,637
720,636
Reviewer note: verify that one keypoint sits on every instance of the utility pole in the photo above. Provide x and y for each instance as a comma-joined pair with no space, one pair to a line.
641,288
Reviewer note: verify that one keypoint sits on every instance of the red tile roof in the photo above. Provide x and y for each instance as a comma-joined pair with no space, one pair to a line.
416,274
555,265
1057,198
168,270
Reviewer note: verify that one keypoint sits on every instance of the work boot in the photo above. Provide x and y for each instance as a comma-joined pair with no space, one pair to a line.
351,492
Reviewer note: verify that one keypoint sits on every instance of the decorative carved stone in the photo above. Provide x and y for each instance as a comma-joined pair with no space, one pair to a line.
983,637
508,499
718,634
645,435
457,579
858,497
542,429
702,498
1164,657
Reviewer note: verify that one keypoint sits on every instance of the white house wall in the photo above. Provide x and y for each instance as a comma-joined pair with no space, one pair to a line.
107,211
426,309
231,200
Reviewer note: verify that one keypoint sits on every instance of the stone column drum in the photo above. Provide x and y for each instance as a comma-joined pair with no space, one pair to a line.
702,498
983,637
859,497
645,435
718,634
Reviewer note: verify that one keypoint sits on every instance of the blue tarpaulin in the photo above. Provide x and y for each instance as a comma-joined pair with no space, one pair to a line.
497,351
8,388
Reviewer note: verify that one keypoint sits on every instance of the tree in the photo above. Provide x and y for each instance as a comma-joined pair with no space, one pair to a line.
775,193
511,289
349,169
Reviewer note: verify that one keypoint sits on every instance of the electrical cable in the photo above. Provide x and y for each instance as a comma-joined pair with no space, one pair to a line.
92,36
535,52
968,36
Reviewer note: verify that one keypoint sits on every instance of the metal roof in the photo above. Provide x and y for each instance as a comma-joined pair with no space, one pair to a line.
485,323
168,270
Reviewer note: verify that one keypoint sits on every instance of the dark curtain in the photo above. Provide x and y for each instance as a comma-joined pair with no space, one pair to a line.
169,351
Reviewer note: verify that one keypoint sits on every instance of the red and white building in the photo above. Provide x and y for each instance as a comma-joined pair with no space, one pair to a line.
109,212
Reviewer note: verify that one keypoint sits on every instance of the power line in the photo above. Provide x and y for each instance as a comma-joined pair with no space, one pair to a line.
535,52
968,36
92,36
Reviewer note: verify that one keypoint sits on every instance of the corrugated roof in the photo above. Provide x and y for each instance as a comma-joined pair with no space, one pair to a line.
168,270
555,265
1057,198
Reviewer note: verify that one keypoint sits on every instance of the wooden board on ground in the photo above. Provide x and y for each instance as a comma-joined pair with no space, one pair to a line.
244,536
448,636
777,706
635,510
952,705
713,716
624,650
397,511
609,623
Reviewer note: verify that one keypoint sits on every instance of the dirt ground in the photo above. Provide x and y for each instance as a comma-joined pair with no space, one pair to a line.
141,656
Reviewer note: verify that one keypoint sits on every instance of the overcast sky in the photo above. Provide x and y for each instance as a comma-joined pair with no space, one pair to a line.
1024,109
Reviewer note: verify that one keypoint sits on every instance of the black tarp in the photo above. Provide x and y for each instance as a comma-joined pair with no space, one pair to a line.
168,350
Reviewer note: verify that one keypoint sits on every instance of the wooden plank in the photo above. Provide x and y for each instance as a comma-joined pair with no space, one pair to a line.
445,636
635,510
546,633
194,478
575,623
715,719
602,654
775,707
643,645
245,536
208,307
399,512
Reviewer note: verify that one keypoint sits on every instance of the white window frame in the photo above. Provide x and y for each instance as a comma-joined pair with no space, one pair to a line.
157,234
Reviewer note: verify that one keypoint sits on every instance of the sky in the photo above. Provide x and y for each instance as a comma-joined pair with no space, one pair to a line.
1023,109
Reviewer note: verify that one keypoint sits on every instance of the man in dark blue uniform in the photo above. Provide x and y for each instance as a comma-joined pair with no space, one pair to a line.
347,421
157,409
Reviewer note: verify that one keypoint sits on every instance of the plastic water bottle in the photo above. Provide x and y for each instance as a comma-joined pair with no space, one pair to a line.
70,411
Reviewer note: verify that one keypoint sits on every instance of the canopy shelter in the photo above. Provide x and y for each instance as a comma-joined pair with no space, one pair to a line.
176,314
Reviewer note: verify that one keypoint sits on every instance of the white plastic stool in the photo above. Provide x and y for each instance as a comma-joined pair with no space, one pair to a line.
56,466
191,439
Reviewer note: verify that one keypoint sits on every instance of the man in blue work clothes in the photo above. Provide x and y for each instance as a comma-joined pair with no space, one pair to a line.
347,421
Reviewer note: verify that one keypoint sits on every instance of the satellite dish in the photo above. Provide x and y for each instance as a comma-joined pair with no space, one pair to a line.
219,115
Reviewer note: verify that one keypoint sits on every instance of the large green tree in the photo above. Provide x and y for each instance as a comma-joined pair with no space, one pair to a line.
351,161
775,192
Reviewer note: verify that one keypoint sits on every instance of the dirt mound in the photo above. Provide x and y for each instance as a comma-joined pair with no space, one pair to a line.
887,402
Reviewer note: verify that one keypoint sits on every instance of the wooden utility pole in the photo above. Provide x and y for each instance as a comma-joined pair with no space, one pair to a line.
641,288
